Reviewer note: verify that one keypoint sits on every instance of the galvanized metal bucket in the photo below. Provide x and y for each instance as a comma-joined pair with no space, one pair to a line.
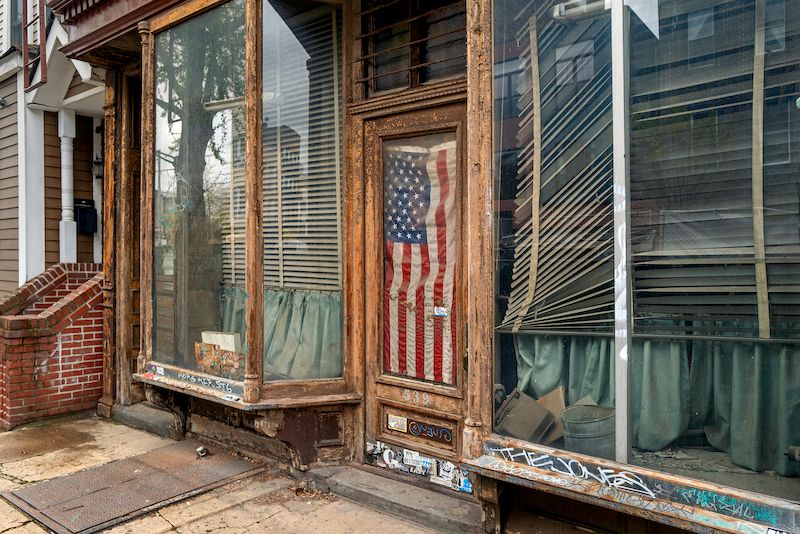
589,430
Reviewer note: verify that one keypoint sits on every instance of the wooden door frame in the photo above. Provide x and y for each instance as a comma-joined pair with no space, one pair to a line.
110,112
127,211
387,392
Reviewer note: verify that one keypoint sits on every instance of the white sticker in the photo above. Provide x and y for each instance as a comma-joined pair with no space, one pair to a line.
411,458
440,311
397,423
447,470
389,459
159,370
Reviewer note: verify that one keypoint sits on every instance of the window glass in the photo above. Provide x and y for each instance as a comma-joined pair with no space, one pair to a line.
714,191
302,187
714,204
406,44
199,218
554,221
16,22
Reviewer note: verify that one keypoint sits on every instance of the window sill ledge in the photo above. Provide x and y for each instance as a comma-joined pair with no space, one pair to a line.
682,502
264,405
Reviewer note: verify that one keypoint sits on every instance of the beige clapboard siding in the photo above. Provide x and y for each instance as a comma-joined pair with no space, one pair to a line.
77,86
82,183
9,219
52,188
82,162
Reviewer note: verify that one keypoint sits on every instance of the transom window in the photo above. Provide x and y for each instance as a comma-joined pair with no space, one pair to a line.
407,44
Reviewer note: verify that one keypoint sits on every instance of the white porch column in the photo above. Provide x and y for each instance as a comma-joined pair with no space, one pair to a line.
67,227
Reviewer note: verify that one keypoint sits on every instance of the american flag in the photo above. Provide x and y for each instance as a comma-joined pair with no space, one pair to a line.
419,288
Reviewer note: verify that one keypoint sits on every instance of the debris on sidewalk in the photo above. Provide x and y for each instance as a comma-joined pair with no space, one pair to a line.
265,502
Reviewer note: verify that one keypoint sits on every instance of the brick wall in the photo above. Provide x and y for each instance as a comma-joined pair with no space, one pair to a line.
51,345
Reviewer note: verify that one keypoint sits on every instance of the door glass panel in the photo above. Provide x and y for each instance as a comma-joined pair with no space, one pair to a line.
420,184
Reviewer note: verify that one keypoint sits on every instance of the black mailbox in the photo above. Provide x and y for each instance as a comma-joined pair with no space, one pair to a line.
85,216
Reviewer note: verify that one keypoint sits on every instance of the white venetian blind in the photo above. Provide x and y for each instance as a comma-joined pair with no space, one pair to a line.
302,171
693,177
230,205
562,270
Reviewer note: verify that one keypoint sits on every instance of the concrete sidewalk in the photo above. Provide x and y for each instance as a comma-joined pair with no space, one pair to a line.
262,503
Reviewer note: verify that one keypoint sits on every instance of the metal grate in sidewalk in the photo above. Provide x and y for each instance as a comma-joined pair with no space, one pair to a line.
95,499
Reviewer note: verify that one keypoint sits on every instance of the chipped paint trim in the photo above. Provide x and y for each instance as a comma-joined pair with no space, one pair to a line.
651,492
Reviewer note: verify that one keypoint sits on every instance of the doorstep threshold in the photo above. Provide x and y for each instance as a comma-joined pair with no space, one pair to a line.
434,510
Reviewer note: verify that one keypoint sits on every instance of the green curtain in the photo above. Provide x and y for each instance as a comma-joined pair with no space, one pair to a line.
302,331
583,365
302,334
745,396
752,395
659,392
233,304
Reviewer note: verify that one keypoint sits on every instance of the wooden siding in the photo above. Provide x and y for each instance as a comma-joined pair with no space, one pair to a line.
9,220
82,181
77,86
52,188
82,161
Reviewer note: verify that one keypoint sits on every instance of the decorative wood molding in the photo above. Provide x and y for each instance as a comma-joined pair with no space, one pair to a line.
146,228
478,229
109,240
432,95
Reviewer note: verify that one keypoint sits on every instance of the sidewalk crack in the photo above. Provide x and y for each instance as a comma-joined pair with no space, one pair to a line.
159,514
12,478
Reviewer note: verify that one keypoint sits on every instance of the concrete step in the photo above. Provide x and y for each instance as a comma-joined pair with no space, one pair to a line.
144,416
424,507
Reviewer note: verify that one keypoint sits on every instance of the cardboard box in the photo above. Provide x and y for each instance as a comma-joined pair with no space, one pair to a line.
553,402
230,341
521,417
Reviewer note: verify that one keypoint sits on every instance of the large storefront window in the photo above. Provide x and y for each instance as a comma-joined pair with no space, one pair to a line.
554,213
715,242
199,214
200,243
302,184
713,253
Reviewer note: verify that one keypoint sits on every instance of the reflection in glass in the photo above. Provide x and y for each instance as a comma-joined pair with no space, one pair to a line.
554,223
715,216
407,44
199,216
302,187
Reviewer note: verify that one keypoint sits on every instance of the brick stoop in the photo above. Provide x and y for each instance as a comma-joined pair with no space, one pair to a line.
51,345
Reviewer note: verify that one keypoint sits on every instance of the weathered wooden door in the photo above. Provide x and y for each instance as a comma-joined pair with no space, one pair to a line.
415,332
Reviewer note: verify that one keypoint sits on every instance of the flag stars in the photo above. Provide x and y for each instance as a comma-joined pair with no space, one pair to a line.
407,197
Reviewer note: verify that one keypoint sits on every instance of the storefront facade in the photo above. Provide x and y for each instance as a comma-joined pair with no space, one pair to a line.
552,245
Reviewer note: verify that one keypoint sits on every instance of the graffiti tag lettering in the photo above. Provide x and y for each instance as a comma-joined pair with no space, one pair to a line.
438,433
606,476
